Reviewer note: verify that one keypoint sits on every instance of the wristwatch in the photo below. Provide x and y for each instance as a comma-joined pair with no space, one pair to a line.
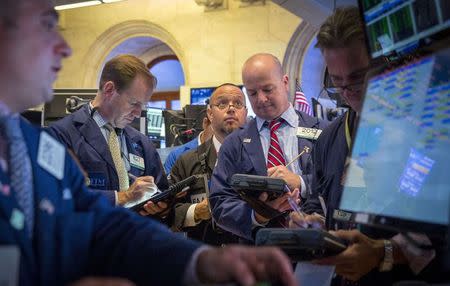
388,261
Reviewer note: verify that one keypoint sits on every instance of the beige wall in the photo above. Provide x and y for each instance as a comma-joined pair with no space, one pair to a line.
211,46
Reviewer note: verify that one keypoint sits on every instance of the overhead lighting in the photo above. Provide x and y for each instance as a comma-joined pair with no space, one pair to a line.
111,1
77,5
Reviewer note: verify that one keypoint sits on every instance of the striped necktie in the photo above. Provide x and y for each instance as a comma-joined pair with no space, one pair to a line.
275,156
19,165
114,148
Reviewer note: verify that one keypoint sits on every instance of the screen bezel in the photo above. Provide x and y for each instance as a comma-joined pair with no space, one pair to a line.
430,39
384,221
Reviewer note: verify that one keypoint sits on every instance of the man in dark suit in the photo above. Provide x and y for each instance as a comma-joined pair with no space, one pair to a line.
226,112
125,87
374,257
63,232
248,150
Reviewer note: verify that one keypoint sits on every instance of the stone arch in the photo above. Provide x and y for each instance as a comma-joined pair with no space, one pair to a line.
115,35
295,53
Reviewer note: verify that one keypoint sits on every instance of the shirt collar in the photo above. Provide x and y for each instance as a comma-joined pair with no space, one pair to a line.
98,118
216,143
289,115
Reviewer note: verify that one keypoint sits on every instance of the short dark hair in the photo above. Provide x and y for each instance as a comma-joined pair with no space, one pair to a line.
123,69
340,29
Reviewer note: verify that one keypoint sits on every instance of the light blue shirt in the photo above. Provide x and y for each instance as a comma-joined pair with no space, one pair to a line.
287,137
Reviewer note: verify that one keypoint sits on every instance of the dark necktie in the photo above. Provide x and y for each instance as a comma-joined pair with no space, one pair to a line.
19,167
275,156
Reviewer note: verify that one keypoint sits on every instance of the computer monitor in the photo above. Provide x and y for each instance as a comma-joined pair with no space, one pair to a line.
402,26
200,95
155,123
398,173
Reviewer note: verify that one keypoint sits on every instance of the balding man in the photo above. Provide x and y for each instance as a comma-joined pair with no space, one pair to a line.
226,112
263,147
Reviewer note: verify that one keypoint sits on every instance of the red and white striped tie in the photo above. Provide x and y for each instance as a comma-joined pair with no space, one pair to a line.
275,155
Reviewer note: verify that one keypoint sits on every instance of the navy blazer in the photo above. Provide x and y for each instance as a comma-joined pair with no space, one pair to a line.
242,153
80,132
79,233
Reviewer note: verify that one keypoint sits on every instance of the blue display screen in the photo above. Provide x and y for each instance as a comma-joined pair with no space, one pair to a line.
400,160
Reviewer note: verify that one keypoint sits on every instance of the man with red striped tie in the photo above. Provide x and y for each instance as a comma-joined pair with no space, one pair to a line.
265,146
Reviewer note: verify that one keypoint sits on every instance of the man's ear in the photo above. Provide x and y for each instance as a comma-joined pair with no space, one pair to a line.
109,89
209,113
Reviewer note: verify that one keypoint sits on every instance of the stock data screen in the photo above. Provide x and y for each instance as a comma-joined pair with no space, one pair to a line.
400,25
400,160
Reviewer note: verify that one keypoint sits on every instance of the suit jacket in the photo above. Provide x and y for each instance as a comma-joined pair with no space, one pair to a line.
177,152
79,132
242,153
201,160
79,233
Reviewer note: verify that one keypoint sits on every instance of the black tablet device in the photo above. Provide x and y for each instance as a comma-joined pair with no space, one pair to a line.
301,244
255,185
249,187
168,194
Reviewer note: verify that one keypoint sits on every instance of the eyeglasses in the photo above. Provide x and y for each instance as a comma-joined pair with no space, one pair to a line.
354,87
225,105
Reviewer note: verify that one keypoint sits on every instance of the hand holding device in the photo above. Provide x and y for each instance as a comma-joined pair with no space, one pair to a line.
301,244
168,195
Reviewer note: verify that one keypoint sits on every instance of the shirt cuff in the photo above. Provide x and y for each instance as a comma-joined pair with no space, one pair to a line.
189,220
255,223
190,275
417,258
116,198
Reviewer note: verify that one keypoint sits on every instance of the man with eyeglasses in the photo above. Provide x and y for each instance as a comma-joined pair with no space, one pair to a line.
120,162
226,112
263,147
341,41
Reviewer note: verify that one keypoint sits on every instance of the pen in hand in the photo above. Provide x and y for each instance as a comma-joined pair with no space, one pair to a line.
132,177
305,150
294,206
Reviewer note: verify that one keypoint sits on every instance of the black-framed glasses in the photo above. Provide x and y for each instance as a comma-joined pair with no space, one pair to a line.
354,87
226,105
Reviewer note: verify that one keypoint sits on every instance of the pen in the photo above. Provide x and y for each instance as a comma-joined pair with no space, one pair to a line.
297,209
132,177
305,150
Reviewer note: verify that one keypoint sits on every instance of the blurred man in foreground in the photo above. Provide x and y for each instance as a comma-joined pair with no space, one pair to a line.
62,231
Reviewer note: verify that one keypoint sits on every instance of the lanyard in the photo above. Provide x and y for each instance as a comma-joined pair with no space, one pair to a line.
348,138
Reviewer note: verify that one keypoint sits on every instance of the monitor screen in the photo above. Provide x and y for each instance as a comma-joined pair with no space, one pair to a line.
155,122
400,161
402,25
200,95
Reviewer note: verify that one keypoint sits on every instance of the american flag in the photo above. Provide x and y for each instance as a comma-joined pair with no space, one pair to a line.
300,100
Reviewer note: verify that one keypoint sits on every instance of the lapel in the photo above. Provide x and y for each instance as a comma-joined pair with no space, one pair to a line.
47,190
309,122
131,140
254,148
94,137
42,188
211,154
